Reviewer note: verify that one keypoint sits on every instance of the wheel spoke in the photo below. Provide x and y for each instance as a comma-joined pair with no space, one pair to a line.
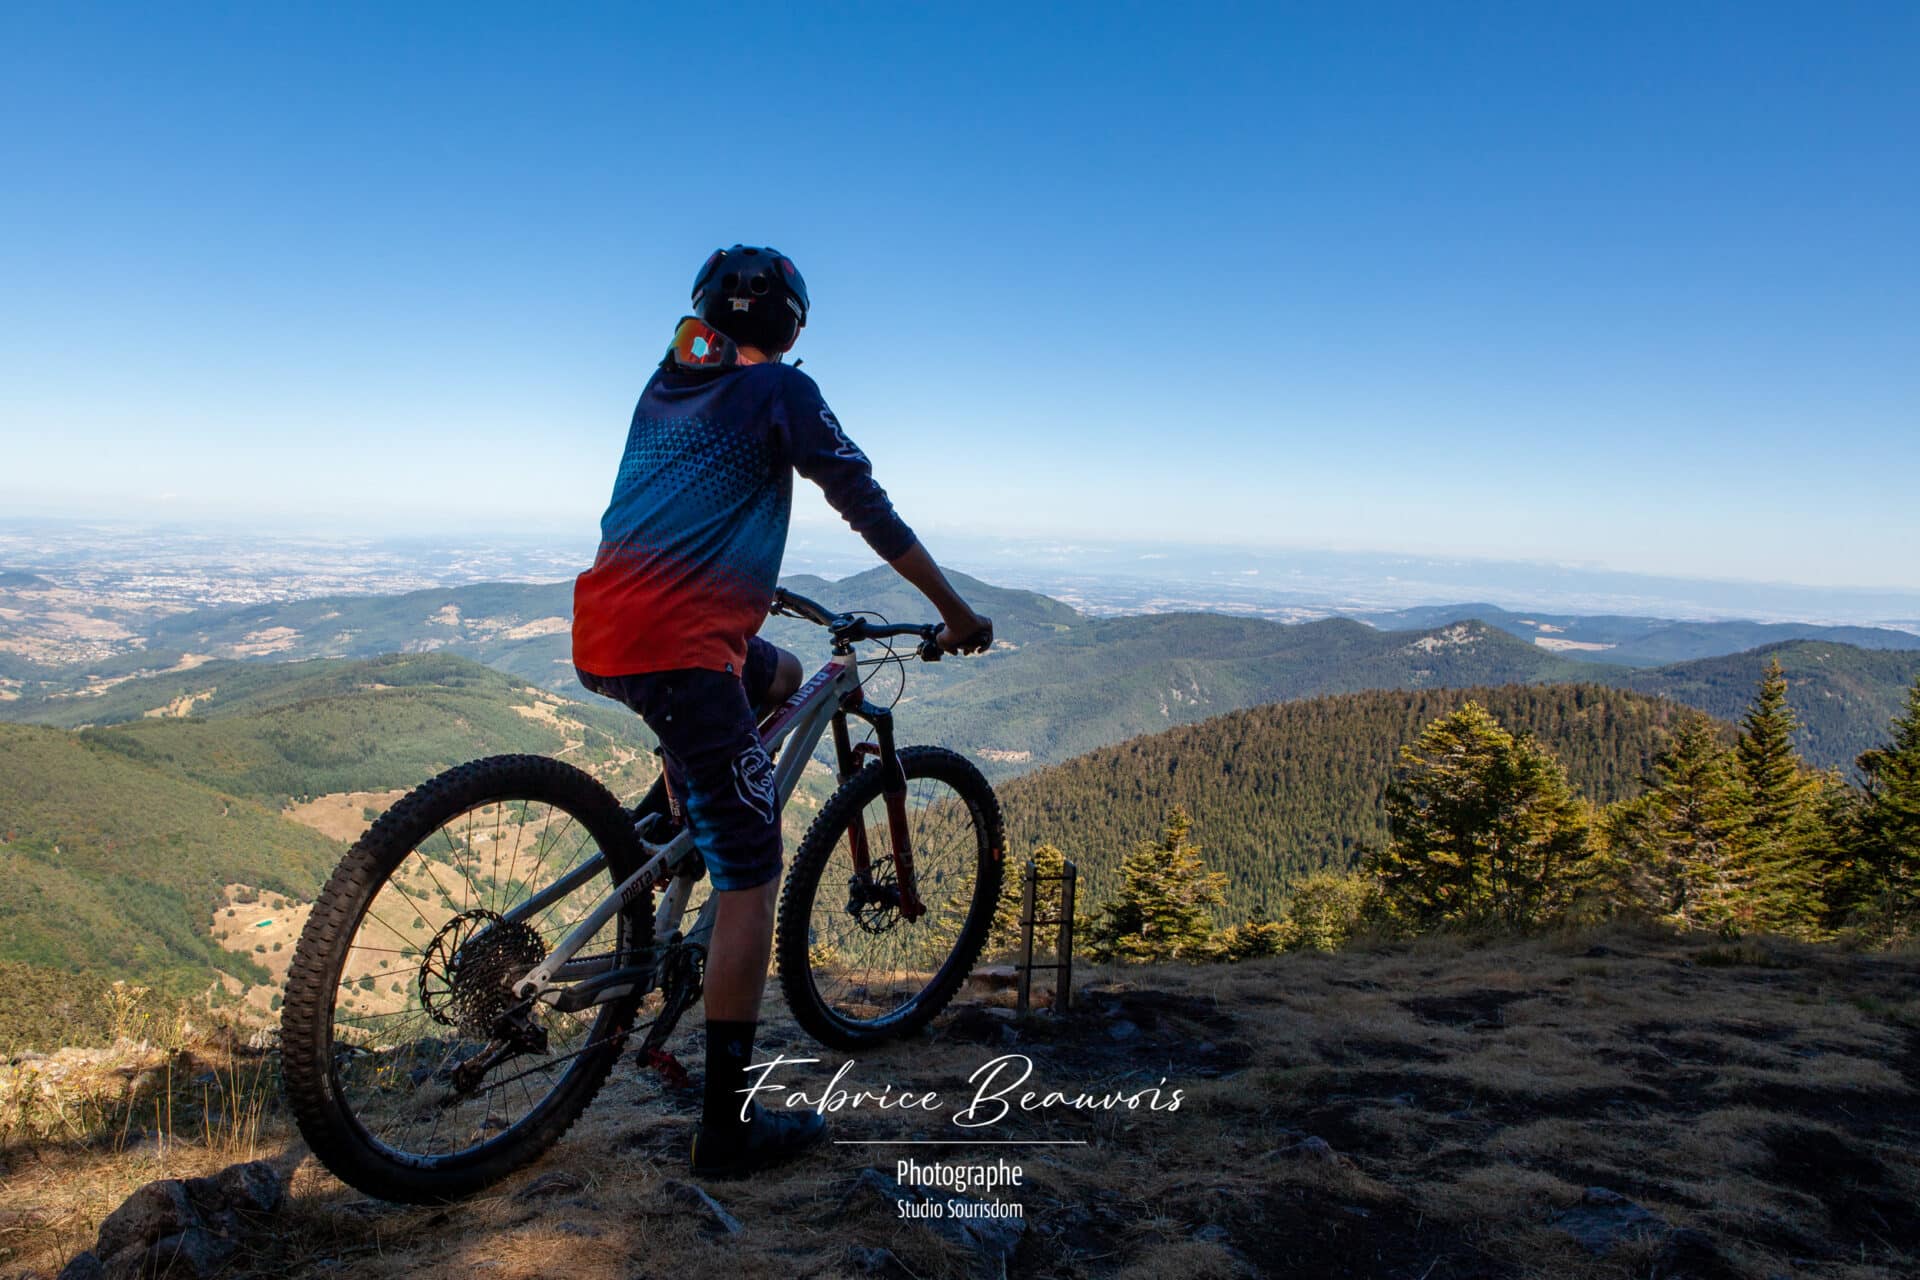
868,966
402,1034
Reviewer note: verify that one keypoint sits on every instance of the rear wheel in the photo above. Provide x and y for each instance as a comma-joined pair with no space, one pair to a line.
413,1071
854,970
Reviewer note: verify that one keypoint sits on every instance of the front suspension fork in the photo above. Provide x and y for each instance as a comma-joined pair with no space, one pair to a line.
893,792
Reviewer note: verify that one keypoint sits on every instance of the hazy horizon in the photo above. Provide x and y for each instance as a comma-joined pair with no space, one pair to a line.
1108,575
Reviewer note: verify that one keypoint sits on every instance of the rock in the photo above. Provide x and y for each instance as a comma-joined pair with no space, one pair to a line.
155,1211
991,1240
1691,1255
981,1024
1123,1031
1314,1148
84,1266
194,1252
1213,1233
719,1221
255,1187
190,1228
1605,1218
866,1261
558,1182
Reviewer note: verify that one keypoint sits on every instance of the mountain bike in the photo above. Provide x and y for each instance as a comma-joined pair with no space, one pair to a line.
479,959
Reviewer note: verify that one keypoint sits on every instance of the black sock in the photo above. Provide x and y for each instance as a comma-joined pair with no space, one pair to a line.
729,1050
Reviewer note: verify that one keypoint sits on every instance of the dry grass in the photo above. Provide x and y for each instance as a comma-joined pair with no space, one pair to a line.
1469,1093
178,1094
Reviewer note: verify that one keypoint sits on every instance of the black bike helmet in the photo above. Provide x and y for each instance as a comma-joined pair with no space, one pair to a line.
753,295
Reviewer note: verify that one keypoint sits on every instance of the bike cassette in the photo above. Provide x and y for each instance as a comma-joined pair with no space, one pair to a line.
470,967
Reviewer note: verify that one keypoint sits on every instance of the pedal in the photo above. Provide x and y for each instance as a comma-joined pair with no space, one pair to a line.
672,1072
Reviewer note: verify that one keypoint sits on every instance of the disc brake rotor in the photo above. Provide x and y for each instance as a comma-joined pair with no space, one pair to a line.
874,903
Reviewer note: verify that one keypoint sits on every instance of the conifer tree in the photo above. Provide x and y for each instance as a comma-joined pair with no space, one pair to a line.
1886,843
1788,842
1164,909
1257,938
1327,908
1679,849
1048,861
1484,830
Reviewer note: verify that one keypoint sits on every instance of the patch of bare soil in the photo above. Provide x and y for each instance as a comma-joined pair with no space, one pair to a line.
343,814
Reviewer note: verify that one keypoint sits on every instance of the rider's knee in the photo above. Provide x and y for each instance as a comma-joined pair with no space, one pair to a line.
786,679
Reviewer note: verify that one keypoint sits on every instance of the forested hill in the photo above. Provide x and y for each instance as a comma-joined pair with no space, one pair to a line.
117,842
1843,697
1276,791
111,864
1114,678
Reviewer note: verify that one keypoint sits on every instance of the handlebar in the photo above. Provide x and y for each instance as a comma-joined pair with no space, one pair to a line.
850,628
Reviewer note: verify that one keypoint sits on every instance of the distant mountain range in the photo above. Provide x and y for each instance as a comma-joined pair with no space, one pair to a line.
1058,682
143,787
1634,641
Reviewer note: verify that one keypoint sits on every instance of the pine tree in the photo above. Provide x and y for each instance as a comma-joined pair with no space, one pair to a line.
1886,841
1257,938
1327,908
1679,850
1048,861
1788,840
1164,910
1484,830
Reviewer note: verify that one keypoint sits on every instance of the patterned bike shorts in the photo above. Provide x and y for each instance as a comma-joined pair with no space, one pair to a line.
717,767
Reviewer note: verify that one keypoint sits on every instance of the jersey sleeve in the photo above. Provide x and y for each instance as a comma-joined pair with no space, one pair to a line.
820,450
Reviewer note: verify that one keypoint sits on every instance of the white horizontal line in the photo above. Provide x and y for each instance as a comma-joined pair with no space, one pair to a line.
948,1142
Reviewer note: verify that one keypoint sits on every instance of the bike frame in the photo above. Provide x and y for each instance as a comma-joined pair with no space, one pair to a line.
793,730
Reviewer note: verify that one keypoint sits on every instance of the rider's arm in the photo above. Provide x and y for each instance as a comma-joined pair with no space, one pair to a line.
820,451
964,630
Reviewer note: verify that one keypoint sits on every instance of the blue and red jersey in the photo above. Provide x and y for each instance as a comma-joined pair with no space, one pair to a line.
691,543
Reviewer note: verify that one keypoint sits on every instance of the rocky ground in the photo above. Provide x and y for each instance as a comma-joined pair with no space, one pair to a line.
1614,1105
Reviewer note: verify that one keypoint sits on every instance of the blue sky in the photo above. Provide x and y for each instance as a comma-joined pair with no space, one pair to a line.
1635,285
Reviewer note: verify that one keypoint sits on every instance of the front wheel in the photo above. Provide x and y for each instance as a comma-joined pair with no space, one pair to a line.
854,968
413,1071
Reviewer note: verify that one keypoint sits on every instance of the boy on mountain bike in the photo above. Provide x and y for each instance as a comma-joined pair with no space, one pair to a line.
665,622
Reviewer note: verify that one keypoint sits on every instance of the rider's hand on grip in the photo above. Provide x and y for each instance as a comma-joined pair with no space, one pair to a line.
977,638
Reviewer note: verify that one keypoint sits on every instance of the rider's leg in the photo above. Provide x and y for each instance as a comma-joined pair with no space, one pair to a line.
770,675
737,958
725,783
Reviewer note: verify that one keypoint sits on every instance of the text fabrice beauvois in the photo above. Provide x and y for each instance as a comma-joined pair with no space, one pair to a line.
999,1088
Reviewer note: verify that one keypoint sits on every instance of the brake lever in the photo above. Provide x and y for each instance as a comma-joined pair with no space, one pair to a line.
930,650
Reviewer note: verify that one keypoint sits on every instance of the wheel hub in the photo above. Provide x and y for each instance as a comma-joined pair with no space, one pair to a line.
874,905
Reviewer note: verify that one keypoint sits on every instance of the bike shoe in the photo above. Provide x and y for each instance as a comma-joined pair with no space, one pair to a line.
768,1138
